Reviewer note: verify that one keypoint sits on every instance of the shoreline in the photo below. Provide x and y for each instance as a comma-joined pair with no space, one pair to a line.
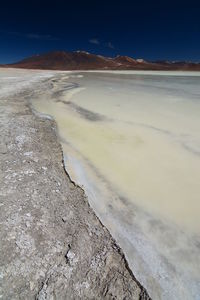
53,244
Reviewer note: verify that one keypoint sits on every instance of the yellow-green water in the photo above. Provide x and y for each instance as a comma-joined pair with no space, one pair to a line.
133,142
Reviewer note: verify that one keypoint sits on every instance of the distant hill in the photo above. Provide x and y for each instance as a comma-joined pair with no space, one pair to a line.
81,60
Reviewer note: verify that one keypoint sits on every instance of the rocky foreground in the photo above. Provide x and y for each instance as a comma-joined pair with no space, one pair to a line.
52,244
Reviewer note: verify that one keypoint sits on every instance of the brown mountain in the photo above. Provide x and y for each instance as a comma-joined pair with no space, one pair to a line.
81,60
61,60
124,60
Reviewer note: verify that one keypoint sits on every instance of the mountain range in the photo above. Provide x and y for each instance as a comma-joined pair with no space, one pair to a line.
82,60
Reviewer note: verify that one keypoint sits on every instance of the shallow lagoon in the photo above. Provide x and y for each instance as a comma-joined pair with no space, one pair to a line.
132,140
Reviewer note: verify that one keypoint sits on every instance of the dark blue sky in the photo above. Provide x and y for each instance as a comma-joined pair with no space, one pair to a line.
141,29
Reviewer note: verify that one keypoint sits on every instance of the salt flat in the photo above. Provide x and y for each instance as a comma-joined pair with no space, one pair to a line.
132,139
52,245
14,80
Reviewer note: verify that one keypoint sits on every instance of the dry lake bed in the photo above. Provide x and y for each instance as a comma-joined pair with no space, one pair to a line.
132,141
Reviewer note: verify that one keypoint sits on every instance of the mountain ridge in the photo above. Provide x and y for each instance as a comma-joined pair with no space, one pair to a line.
82,60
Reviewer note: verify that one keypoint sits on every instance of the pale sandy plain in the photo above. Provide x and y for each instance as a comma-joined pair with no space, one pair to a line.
132,140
